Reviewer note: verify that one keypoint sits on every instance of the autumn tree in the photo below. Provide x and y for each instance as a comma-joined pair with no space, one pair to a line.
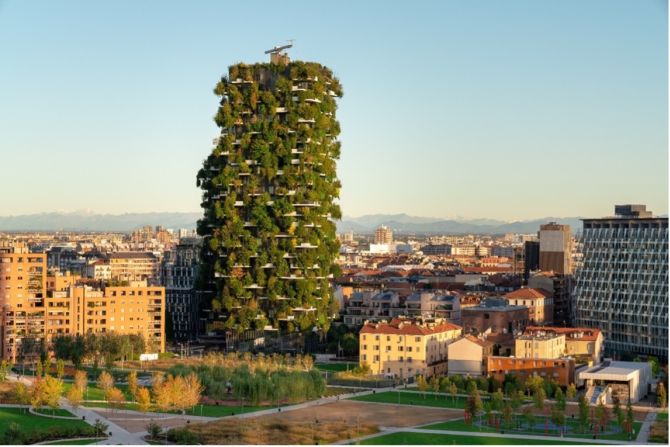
5,369
22,394
60,368
453,390
75,396
132,383
80,380
662,395
105,381
115,397
538,398
435,384
143,398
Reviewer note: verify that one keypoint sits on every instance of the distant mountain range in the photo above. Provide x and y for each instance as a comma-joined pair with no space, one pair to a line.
400,223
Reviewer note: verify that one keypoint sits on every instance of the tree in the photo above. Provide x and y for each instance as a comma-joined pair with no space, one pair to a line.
583,413
5,369
422,384
60,368
538,398
534,383
572,391
105,381
662,395
132,383
474,404
529,417
22,394
558,416
453,390
38,369
618,413
497,400
75,396
630,418
192,391
115,397
655,368
560,399
143,399
80,380
100,427
602,415
154,430
435,384
52,391
157,380
507,414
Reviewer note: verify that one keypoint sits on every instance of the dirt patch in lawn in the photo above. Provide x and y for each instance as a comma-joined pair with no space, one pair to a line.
137,422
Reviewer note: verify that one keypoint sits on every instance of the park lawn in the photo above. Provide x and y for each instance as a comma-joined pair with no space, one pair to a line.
54,412
124,406
31,422
412,398
336,390
662,416
75,441
335,367
460,425
410,438
95,393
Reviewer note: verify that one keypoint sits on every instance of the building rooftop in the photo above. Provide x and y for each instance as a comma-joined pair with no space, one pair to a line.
611,370
528,293
132,255
405,326
571,333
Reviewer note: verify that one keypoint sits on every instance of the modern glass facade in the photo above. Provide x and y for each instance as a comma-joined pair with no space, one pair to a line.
622,286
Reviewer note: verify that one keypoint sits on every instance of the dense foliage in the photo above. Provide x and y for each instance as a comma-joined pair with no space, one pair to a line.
95,347
257,386
269,189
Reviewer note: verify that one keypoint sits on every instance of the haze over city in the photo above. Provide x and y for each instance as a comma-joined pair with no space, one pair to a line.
482,109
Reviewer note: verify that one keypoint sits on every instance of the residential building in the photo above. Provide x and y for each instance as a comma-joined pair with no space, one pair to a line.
371,305
584,344
561,370
539,302
434,305
494,315
98,269
178,275
559,288
538,345
269,189
407,347
468,355
436,250
622,288
134,266
383,235
556,248
22,294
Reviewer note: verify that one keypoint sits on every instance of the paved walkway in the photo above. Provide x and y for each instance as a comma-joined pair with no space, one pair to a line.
119,435
643,436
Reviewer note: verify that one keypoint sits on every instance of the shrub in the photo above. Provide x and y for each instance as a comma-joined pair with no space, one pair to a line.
182,436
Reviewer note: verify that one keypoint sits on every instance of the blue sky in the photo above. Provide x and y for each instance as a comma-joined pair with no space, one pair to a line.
505,109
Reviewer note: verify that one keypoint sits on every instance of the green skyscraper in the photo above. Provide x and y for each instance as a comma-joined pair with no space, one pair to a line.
269,188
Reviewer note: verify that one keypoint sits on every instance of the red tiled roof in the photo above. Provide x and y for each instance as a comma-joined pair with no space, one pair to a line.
479,341
486,269
528,293
590,334
407,328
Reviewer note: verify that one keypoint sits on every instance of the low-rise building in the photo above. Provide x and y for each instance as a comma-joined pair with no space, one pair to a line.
495,316
620,380
560,370
539,303
468,355
407,347
434,305
539,345
585,344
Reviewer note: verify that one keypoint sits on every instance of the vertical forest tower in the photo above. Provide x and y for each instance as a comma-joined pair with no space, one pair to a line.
269,187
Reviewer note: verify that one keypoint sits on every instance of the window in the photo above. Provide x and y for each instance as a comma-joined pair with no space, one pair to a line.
417,339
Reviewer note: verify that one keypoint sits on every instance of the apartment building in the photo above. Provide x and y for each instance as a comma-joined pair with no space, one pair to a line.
561,370
622,287
22,296
134,266
556,248
407,347
585,344
539,345
383,235
468,355
539,302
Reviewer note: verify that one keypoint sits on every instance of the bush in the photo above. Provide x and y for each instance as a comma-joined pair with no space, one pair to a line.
182,436
154,430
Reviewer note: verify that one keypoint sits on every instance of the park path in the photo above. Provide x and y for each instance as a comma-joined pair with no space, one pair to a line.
540,439
119,435
643,436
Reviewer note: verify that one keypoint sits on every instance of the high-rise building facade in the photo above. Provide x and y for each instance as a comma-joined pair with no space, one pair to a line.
622,286
556,248
383,235
179,272
269,189
22,295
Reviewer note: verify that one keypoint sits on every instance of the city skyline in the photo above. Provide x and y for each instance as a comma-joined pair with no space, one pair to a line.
536,106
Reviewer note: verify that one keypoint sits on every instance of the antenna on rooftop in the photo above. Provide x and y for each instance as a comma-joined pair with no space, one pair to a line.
277,54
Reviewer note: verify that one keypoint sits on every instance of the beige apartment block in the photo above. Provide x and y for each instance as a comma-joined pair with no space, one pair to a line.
134,266
540,304
540,346
585,344
467,356
407,347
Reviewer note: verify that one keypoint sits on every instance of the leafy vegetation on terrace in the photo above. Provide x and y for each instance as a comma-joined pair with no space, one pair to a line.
269,187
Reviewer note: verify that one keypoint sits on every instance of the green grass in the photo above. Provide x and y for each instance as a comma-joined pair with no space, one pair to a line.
222,411
460,425
55,412
335,367
408,438
30,422
75,442
412,398
662,416
95,393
